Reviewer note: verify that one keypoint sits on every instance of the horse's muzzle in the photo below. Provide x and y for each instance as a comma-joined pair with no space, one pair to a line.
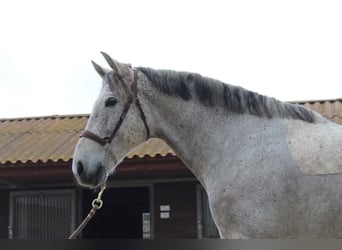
90,178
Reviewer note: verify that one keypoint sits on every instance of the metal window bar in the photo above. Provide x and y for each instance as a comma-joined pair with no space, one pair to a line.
43,214
146,217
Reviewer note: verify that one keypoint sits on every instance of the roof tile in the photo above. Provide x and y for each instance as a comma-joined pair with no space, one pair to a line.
330,109
53,138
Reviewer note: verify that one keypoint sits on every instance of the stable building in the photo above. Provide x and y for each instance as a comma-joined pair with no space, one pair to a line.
152,194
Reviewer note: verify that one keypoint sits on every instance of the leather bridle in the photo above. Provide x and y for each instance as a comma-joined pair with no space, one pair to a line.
132,97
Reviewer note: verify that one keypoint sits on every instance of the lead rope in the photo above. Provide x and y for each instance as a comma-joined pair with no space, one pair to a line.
96,205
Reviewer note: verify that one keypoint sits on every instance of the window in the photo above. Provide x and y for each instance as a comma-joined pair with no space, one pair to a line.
43,214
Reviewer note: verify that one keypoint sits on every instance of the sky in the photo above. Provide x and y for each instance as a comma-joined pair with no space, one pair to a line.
290,50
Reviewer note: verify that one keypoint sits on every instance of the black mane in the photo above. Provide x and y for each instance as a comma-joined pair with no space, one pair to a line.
212,92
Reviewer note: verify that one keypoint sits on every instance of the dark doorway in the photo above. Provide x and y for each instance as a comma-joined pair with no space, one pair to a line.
121,216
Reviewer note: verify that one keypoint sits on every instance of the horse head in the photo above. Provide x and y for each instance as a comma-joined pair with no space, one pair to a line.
116,124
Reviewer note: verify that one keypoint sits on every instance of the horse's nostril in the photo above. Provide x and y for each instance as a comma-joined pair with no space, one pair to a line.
80,168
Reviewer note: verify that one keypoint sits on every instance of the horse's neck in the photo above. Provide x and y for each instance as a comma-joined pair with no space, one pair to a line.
178,122
197,133
205,138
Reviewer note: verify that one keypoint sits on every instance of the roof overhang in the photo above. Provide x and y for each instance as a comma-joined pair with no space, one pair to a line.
53,173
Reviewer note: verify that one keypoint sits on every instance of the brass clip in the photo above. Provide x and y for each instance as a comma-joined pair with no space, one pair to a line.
98,203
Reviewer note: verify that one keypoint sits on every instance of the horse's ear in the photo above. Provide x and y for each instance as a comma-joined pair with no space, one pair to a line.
101,71
118,68
112,63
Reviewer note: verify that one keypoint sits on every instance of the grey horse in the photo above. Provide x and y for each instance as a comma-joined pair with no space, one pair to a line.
271,169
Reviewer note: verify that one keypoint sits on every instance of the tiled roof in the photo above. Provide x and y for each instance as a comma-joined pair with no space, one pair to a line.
53,138
330,109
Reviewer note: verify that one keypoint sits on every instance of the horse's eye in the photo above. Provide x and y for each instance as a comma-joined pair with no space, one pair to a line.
111,101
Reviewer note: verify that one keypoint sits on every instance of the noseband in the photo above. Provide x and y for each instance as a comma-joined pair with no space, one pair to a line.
132,97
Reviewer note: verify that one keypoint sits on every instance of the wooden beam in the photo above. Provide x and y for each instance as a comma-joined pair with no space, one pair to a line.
130,169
